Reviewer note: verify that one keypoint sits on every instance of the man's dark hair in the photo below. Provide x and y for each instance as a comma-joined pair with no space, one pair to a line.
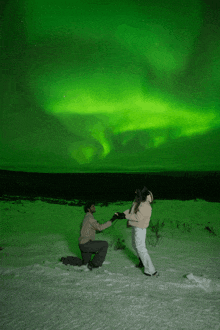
88,205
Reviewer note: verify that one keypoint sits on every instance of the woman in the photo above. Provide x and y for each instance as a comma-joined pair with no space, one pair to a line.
138,218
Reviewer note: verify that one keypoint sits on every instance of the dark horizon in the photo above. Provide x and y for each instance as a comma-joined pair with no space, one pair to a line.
165,172
111,186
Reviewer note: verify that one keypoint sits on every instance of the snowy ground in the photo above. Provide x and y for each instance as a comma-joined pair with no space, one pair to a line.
39,292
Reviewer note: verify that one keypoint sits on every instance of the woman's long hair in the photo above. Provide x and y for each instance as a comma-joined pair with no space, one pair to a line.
141,195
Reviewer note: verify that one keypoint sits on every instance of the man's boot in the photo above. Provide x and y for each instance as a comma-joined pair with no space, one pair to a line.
91,266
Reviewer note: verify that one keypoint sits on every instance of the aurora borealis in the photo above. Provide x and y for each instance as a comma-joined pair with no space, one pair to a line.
110,86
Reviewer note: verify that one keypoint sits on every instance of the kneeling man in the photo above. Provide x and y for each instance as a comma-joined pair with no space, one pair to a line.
87,243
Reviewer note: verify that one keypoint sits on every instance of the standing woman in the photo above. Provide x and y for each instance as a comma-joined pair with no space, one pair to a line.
138,218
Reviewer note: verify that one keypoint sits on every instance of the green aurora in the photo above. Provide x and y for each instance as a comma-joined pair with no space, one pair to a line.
110,86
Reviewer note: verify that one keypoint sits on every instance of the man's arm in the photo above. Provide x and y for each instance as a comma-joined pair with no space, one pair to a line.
97,226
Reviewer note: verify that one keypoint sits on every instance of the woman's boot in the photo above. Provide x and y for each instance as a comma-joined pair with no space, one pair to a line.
140,265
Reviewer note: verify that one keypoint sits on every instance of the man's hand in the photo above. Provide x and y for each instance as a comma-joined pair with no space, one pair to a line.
115,216
118,215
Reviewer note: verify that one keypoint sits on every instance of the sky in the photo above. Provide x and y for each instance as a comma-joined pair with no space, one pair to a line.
110,86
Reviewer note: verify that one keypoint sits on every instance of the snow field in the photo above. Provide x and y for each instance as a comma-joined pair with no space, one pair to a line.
39,292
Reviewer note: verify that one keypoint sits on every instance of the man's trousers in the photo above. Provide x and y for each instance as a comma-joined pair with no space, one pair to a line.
98,247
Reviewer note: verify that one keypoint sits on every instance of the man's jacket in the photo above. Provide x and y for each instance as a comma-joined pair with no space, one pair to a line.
142,218
89,227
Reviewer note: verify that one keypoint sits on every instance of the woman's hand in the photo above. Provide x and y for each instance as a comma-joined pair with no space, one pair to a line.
121,215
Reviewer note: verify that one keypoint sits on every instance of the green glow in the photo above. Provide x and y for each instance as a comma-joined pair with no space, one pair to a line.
115,96
157,118
83,154
118,108
121,108
98,133
119,77
137,113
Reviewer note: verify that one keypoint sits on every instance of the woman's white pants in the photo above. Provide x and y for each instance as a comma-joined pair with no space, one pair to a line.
138,243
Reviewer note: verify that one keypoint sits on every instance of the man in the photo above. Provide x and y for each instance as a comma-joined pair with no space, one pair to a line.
87,243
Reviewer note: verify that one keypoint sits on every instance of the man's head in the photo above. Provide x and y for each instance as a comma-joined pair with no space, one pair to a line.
90,207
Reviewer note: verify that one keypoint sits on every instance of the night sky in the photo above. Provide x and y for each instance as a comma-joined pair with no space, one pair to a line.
110,86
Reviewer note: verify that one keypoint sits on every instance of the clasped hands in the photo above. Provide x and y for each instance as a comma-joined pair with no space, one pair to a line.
118,215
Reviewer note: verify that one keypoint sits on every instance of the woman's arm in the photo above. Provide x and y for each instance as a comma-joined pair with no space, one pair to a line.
142,216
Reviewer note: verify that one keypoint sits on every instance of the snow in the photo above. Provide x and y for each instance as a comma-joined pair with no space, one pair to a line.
39,292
